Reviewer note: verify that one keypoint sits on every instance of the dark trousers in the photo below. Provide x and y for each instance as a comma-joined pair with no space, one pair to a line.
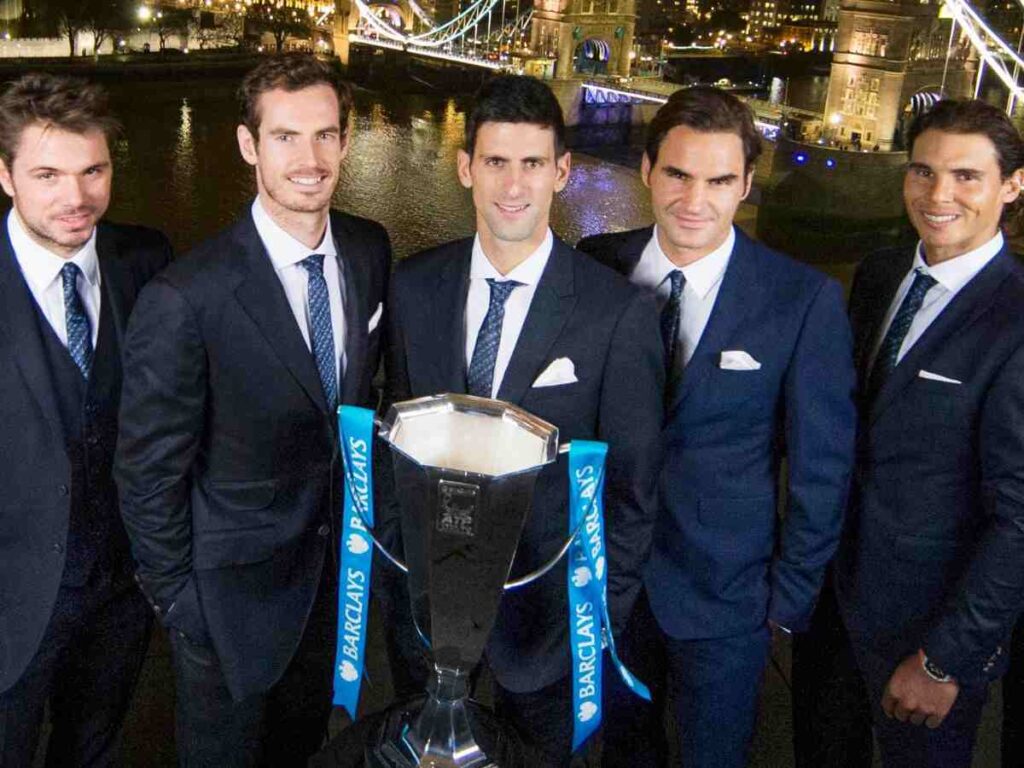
831,711
713,687
904,745
544,719
1013,702
284,726
86,667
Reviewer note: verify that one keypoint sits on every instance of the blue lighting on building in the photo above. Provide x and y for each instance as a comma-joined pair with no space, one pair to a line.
830,163
799,158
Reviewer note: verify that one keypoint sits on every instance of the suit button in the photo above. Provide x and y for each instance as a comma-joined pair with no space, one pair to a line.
323,530
58,547
62,489
93,440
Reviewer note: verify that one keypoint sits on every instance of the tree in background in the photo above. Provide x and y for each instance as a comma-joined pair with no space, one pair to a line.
279,20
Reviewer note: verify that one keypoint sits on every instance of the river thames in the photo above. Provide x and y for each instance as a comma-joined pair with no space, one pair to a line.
178,169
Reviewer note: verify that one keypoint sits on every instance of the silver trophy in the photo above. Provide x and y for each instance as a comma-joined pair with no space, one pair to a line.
465,469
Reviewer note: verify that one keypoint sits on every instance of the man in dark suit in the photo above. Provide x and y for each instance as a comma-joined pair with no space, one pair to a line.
930,575
516,314
758,355
73,625
236,360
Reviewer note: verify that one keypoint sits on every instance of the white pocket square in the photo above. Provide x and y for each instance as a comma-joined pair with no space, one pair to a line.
561,371
738,360
376,317
937,377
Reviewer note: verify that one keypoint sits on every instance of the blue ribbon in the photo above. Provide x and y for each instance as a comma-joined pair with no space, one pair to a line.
590,624
355,429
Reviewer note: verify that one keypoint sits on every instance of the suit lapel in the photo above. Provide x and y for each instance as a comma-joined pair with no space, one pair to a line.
19,319
971,302
353,263
552,304
883,294
117,283
444,323
731,306
263,298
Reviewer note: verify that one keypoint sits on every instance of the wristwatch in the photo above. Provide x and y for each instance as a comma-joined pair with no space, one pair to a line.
934,671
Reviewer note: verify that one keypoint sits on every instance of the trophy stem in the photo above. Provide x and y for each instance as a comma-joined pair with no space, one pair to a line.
441,735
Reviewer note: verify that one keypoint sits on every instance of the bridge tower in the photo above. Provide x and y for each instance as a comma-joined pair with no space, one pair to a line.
587,35
885,54
346,17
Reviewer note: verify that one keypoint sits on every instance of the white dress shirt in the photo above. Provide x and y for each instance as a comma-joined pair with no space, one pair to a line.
951,276
703,280
286,253
517,306
41,270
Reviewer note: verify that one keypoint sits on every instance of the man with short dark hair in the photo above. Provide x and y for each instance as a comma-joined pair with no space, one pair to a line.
235,362
514,313
930,573
73,625
759,368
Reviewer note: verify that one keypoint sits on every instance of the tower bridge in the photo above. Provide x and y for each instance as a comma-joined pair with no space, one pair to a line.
891,58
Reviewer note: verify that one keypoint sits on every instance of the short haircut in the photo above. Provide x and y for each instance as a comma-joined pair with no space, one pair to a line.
973,116
707,110
66,103
290,72
516,99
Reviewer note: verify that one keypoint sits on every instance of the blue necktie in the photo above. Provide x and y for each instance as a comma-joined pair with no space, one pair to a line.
485,351
670,317
79,333
321,332
888,352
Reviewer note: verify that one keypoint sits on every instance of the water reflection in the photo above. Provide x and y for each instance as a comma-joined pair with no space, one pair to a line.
178,168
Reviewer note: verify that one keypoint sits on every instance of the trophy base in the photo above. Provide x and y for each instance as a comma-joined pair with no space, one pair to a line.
376,741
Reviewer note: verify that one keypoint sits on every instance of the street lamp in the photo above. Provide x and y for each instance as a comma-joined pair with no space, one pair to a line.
144,13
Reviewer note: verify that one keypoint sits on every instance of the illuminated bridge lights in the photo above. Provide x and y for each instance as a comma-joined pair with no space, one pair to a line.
800,158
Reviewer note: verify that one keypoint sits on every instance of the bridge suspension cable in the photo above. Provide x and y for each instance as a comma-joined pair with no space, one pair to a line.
992,50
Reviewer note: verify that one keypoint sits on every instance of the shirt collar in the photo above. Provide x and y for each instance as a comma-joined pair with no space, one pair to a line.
703,274
41,266
953,274
285,250
527,272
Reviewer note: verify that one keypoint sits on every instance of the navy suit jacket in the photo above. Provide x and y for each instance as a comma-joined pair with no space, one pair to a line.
609,330
227,458
35,492
933,555
722,562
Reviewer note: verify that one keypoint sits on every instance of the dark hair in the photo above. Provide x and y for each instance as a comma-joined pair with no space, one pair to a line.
708,110
290,72
68,103
973,116
516,99
979,117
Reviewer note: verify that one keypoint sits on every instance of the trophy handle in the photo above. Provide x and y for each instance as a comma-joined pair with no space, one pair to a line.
531,577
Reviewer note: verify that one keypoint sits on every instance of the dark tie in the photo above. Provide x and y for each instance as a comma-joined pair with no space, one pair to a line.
888,352
485,351
670,317
79,333
321,332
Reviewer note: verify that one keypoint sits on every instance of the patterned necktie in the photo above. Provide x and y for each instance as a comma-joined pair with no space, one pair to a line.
670,317
889,350
79,333
485,351
321,332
